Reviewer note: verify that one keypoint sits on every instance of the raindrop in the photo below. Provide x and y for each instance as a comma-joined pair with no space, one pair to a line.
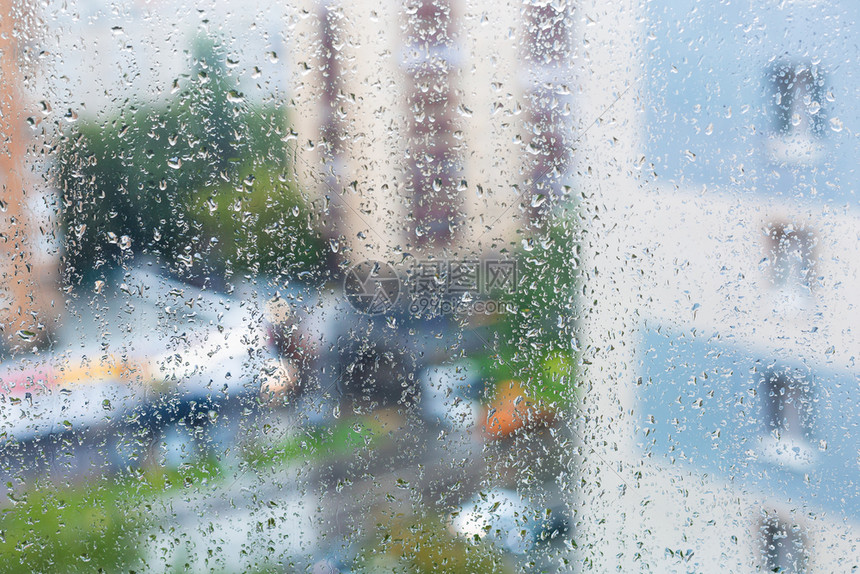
26,335
836,125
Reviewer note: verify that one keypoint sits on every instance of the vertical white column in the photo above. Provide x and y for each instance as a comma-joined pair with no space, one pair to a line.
608,49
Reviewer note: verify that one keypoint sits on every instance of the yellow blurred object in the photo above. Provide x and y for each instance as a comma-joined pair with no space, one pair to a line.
105,369
48,375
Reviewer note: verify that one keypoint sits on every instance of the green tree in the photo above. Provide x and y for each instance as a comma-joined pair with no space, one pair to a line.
202,181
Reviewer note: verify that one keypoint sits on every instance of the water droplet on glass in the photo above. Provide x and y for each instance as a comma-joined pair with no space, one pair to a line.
836,125
26,335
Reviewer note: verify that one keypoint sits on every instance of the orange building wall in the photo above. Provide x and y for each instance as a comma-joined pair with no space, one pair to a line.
29,295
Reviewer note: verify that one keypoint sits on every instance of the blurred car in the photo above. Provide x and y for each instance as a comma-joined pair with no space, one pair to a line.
509,520
141,350
502,516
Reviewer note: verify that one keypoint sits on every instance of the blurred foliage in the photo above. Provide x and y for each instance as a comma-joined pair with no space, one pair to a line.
425,545
344,438
535,344
545,293
94,526
203,181
73,531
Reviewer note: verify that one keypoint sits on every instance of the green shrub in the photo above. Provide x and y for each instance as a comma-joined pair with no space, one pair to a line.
203,181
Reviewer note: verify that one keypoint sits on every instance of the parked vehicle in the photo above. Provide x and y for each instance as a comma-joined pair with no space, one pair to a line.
142,351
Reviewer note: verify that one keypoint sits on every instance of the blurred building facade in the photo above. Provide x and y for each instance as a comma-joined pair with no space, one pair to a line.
29,260
428,127
720,344
435,122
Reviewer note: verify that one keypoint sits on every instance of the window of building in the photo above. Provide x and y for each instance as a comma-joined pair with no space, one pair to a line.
783,547
790,250
796,106
787,403
433,286
787,420
435,167
797,91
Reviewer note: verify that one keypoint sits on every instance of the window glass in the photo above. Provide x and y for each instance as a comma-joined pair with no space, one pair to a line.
428,286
